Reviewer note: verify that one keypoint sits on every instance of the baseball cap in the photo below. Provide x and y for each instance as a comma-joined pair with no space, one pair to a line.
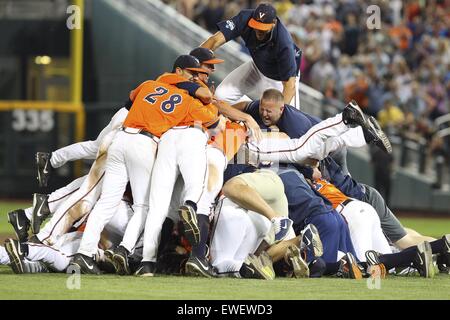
205,55
263,17
188,62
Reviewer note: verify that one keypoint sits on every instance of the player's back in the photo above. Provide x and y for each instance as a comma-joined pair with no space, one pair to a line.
157,107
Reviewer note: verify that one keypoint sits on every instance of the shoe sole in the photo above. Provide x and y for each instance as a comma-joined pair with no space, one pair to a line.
191,230
354,271
16,262
375,127
122,267
372,258
424,249
10,221
264,272
301,269
315,241
144,275
109,259
193,270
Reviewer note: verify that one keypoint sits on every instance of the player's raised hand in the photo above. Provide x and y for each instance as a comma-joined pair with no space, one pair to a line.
255,130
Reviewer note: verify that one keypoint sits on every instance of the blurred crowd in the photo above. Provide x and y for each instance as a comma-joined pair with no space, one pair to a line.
399,73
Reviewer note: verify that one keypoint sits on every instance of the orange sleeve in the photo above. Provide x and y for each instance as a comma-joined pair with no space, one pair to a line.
206,114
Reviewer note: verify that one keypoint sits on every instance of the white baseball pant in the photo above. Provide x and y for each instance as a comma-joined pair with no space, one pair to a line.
365,228
326,136
130,157
181,150
87,149
247,81
238,232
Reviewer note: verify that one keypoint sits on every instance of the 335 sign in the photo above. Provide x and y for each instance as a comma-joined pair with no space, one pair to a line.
33,120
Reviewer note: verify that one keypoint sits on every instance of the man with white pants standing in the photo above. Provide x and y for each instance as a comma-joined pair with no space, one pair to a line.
275,58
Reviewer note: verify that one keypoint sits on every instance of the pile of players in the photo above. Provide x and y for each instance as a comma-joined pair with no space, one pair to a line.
188,180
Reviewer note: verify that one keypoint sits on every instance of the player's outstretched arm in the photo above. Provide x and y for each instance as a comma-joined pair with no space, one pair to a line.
215,41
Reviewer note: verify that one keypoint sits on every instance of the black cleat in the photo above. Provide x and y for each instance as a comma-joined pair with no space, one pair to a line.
349,267
293,258
85,264
189,218
423,261
374,267
352,115
41,211
375,135
108,265
16,252
44,168
445,254
146,269
121,261
199,267
311,242
20,224
317,268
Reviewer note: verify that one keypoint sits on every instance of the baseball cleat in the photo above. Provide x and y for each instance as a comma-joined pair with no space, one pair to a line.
293,258
108,265
445,255
196,266
375,267
253,268
423,261
281,226
189,218
120,259
310,241
375,135
16,252
353,115
85,264
20,223
349,267
146,269
43,168
41,211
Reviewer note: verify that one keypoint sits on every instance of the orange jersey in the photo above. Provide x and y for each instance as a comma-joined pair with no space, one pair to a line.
230,140
329,191
160,105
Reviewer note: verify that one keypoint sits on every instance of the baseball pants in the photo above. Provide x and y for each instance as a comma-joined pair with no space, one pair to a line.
328,135
87,149
247,83
182,150
130,158
365,228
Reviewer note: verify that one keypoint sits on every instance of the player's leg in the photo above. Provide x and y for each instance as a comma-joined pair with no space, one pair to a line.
237,83
164,176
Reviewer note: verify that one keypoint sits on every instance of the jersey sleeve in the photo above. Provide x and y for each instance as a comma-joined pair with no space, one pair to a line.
135,92
233,27
207,115
190,87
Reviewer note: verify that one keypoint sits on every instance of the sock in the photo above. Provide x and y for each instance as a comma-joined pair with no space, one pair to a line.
437,246
192,204
400,259
203,224
331,268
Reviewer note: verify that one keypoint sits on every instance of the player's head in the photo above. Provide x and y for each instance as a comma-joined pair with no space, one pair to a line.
263,20
207,61
188,67
271,107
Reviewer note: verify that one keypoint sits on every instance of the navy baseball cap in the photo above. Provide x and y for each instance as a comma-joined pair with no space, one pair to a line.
188,62
263,17
205,55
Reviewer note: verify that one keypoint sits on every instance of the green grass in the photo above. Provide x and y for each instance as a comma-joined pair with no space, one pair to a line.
53,286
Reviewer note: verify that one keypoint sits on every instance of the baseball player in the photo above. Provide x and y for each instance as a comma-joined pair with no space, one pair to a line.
46,162
362,219
275,58
157,107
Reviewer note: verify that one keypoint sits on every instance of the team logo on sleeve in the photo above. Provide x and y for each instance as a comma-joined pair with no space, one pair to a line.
230,25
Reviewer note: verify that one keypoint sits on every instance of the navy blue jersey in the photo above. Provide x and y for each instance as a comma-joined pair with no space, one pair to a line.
278,58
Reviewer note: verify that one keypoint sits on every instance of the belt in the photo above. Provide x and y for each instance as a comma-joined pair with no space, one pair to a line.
140,131
342,205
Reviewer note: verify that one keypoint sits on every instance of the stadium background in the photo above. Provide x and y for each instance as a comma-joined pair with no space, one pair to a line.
59,86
